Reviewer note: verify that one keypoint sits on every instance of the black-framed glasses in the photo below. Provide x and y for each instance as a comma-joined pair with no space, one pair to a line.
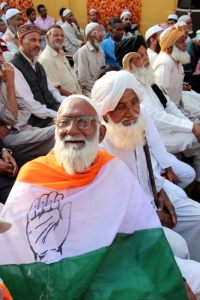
82,122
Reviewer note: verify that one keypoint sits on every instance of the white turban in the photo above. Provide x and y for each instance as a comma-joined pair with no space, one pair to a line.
108,90
89,27
184,18
12,12
83,98
125,12
93,10
66,12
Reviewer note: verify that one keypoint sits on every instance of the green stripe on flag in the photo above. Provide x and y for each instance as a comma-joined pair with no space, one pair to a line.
138,266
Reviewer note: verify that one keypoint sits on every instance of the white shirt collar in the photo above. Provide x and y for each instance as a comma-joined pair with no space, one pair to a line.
32,63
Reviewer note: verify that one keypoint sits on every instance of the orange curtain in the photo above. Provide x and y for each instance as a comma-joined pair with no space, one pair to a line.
113,8
22,5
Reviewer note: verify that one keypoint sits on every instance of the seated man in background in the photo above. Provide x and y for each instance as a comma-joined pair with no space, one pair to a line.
14,116
152,37
72,32
188,20
93,15
108,45
89,58
43,22
2,28
4,7
31,15
26,62
62,19
172,19
15,20
10,163
84,208
130,28
178,133
56,64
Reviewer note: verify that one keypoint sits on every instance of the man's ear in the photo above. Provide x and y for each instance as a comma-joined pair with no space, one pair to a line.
20,40
105,118
102,133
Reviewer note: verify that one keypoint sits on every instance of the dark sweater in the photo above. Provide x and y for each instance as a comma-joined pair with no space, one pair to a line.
37,80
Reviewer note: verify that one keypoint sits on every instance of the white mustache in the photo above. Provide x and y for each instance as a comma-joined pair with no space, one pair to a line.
128,119
74,138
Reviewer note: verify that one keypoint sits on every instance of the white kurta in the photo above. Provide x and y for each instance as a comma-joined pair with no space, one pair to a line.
188,211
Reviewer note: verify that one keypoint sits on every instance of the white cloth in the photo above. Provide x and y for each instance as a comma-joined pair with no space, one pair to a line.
90,26
152,55
12,12
107,95
152,30
72,35
188,211
12,47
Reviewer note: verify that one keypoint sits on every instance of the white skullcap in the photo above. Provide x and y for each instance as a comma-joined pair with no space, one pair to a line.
184,18
181,23
173,17
89,27
83,98
93,10
108,90
2,5
165,31
152,30
12,12
125,12
66,12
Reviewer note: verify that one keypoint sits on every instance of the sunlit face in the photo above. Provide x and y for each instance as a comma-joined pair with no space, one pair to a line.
127,110
97,33
189,24
30,44
69,17
56,38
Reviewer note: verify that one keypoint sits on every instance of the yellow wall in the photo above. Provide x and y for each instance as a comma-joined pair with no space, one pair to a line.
53,6
153,11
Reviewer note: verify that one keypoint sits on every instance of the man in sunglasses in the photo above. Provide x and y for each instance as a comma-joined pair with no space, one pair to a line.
80,213
89,58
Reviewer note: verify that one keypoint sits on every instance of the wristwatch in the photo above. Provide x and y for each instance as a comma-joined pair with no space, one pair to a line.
5,149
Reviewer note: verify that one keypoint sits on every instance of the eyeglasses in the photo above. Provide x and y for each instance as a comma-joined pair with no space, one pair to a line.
99,31
82,122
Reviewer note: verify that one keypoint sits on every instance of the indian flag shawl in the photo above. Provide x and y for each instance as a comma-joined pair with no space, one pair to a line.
87,236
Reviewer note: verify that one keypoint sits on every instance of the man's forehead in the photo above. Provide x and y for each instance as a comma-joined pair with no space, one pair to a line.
127,95
76,107
31,35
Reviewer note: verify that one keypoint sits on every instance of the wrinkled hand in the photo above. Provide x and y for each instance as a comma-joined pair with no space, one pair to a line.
48,226
164,202
196,131
190,294
171,176
3,131
7,73
7,158
6,169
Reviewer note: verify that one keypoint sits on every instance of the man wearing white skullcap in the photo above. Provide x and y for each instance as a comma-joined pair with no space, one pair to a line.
152,37
4,8
89,58
172,19
72,32
118,96
93,15
14,19
130,28
188,20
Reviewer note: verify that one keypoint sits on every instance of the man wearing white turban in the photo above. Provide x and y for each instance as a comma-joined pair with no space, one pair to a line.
89,58
117,94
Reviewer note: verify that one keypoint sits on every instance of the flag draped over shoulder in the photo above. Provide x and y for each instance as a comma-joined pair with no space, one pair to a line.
97,239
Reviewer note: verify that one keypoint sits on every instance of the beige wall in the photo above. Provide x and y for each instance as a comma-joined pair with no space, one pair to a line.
153,11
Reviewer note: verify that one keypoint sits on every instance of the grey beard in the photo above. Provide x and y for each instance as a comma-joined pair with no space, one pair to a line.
180,56
95,42
14,30
144,75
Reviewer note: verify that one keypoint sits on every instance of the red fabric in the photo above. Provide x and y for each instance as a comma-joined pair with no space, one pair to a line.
22,5
107,9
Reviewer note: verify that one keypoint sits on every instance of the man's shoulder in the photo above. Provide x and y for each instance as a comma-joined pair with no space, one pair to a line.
163,58
16,58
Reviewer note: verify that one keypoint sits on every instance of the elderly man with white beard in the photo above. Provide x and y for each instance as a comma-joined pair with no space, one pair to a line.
178,133
80,215
117,95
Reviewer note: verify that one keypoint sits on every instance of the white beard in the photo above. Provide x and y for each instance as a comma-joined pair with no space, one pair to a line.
76,160
126,137
143,75
180,56
190,32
